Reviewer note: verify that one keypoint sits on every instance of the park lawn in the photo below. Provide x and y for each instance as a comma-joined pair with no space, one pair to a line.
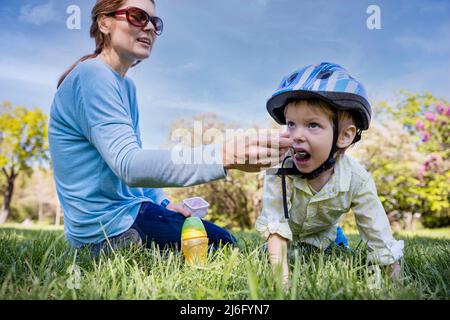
39,264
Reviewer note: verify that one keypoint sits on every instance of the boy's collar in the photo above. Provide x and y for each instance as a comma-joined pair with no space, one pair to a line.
339,182
343,173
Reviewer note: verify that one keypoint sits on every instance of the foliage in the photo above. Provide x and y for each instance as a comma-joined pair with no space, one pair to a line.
234,201
389,154
23,143
427,121
38,193
23,137
21,212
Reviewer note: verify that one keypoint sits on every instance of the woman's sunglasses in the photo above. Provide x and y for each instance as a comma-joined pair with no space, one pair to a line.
139,18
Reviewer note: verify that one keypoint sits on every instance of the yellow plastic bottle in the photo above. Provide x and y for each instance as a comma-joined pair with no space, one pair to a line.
194,241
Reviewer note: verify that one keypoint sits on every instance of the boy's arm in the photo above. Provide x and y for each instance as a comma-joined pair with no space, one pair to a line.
277,247
373,225
274,227
272,220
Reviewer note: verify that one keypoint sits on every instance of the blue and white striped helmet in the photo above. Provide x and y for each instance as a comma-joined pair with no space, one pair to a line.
327,81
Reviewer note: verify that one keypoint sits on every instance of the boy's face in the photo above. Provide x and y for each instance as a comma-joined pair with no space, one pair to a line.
311,129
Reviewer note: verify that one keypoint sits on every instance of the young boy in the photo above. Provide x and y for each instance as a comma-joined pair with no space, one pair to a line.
325,110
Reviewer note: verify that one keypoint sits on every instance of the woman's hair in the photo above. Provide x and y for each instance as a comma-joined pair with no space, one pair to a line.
100,8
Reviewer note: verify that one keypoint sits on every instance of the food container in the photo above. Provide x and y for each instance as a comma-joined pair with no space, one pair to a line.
197,205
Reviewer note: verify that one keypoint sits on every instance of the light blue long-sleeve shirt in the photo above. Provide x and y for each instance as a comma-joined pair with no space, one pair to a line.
102,174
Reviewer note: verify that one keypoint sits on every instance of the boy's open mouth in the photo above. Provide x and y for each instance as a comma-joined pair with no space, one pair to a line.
301,155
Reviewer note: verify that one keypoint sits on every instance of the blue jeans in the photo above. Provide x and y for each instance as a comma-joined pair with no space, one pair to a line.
163,227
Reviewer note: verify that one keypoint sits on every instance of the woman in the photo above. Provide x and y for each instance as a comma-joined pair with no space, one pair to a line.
105,180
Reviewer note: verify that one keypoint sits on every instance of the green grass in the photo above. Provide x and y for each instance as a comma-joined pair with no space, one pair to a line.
39,264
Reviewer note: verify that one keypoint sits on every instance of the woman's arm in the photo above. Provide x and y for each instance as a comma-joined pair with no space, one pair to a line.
107,124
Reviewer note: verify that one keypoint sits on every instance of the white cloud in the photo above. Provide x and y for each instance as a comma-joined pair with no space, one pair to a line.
39,14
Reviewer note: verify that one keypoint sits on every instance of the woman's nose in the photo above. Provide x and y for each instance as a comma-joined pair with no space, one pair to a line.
149,27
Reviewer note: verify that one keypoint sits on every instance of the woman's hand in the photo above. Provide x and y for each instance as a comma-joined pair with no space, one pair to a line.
251,153
178,207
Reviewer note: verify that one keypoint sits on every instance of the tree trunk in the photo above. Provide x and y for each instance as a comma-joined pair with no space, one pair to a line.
408,219
58,214
6,207
3,214
41,211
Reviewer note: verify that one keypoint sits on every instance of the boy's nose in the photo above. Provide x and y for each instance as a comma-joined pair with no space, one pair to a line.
298,135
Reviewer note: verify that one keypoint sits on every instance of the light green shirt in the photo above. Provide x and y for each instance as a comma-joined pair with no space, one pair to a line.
313,217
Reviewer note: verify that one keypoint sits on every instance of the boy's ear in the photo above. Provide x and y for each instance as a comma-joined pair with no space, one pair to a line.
346,137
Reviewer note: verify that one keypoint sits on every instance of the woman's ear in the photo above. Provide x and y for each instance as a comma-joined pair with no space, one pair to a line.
104,25
346,137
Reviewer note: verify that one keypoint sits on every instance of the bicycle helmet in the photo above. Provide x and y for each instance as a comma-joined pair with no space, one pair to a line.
331,83
327,81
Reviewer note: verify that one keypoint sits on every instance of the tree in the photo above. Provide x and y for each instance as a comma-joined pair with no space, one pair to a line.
427,120
389,154
234,201
39,191
23,143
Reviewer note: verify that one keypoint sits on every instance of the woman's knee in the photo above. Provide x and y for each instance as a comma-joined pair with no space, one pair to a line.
218,235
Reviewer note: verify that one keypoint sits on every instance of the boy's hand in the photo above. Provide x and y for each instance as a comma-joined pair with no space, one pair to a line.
277,247
178,207
394,270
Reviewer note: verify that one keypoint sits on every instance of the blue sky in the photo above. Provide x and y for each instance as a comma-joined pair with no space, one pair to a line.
228,56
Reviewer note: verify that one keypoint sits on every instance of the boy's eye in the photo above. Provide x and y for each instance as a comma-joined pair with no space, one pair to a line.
290,124
314,125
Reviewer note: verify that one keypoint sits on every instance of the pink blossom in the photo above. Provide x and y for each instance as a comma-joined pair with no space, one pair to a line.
433,162
420,125
441,108
426,136
447,113
430,116
421,173
422,169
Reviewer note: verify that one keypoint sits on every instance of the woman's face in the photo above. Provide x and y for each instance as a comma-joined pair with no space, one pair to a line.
130,42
